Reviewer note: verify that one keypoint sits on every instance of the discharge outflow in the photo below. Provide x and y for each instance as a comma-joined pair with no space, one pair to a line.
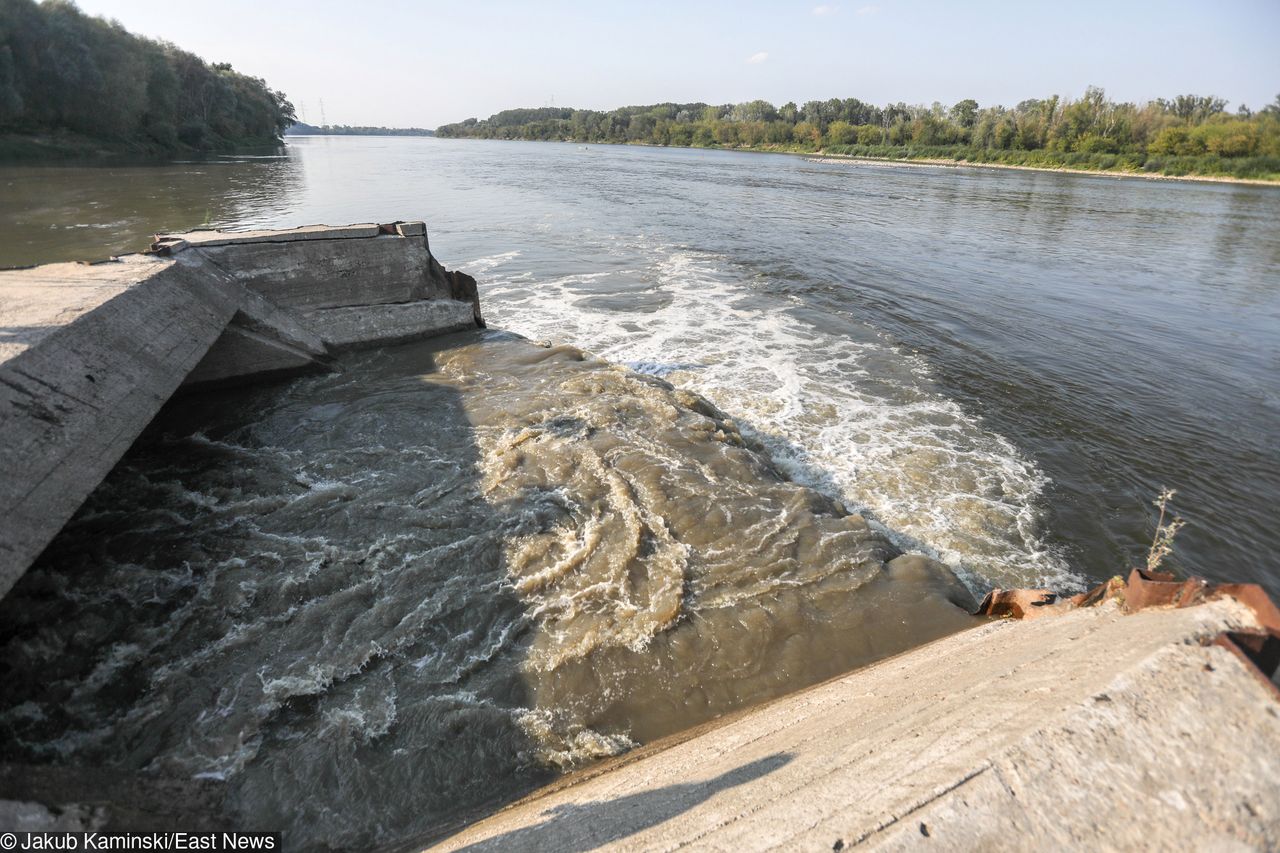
368,601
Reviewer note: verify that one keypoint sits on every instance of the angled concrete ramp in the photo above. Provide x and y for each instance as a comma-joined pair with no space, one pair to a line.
90,352
1089,730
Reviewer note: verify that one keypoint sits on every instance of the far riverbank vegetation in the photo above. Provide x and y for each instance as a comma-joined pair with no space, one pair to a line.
303,129
73,84
1187,135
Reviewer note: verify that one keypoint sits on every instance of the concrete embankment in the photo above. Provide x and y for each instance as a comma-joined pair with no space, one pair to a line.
1100,727
90,352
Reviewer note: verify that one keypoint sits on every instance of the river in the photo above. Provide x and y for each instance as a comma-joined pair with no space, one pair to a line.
996,369
1006,366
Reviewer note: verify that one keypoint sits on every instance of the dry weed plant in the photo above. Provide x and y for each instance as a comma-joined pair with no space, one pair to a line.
1162,542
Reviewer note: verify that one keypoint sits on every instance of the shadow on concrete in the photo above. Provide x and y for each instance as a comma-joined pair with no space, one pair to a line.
574,828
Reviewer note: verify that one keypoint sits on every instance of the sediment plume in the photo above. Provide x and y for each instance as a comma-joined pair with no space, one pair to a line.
368,601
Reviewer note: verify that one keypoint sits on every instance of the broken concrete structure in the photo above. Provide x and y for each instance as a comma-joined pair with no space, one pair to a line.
1090,728
90,352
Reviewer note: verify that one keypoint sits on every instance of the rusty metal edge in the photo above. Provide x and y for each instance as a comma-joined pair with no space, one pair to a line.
1232,643
1143,590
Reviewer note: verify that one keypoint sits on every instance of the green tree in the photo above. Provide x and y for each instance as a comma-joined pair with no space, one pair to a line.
965,113
841,133
1194,109
61,70
754,111
807,134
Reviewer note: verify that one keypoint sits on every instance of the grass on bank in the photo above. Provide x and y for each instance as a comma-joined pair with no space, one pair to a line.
1208,165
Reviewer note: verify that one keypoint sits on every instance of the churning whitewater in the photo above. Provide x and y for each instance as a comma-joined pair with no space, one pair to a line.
369,601
839,407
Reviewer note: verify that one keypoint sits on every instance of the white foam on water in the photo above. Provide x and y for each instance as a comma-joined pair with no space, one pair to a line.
483,265
568,746
839,408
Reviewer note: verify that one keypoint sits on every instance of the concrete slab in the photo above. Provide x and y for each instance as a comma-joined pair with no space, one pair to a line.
241,352
411,229
259,314
287,235
261,341
1091,729
36,302
383,325
310,274
89,353
75,394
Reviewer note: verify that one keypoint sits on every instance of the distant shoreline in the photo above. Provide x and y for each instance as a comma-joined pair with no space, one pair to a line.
932,163
842,159
64,147
304,129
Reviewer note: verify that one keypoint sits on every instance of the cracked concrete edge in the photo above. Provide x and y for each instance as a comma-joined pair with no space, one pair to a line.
172,243
179,241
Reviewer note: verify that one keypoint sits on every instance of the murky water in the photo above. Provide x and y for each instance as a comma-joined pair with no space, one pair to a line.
444,574
369,601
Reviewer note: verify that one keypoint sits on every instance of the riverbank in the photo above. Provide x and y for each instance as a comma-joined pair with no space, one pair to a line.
821,155
67,147
933,163
75,85
18,148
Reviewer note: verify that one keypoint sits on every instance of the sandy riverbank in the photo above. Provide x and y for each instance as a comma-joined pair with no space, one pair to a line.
820,157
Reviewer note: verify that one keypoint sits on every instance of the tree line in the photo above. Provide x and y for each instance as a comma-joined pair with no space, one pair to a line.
64,73
304,129
1184,135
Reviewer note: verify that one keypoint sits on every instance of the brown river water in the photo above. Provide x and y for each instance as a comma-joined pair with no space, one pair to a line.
368,603
441,575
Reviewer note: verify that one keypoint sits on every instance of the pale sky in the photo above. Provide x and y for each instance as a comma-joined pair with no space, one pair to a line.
429,63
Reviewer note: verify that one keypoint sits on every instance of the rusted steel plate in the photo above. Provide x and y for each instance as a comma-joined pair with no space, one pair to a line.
1018,603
